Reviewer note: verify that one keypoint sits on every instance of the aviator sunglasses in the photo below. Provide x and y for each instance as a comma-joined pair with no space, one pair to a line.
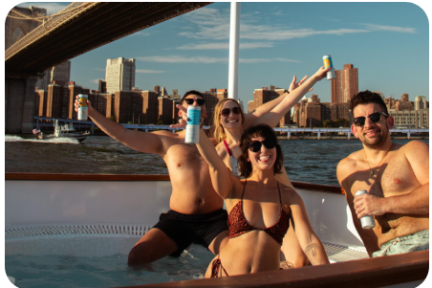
226,112
255,146
189,101
374,117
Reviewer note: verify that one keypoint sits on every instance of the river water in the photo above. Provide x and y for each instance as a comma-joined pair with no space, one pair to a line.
312,161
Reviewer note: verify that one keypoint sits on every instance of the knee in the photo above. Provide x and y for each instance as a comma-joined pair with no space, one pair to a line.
300,261
136,258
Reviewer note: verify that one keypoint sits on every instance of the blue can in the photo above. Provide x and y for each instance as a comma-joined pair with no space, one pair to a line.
193,124
328,62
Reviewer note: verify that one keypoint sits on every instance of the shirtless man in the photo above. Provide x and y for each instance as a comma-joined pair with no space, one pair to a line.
197,214
396,178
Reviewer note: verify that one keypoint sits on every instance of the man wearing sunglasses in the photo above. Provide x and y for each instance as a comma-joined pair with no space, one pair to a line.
197,214
395,176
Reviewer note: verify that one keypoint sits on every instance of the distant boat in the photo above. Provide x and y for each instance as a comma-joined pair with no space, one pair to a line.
62,131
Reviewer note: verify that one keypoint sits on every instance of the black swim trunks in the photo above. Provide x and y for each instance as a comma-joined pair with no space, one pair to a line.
186,229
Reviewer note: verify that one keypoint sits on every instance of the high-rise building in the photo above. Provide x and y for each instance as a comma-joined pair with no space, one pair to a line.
59,74
120,75
264,95
102,86
420,103
345,84
404,103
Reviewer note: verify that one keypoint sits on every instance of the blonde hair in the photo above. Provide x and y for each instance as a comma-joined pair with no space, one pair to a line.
219,132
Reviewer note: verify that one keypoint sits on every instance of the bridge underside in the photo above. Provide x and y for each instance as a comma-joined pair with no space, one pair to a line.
77,29
92,26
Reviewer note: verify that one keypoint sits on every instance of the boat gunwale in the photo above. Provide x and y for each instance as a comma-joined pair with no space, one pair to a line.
364,273
28,176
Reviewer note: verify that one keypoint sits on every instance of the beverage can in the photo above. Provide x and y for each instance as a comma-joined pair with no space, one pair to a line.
193,124
328,62
367,221
83,108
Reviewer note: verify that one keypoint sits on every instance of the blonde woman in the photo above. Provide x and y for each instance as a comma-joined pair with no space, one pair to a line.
229,124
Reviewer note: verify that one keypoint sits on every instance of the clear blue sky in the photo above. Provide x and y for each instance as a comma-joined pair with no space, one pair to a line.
387,42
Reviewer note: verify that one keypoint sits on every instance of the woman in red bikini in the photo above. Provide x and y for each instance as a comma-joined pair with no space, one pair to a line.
229,122
259,207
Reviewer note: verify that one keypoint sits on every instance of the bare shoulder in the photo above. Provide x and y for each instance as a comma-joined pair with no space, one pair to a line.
348,164
415,148
289,194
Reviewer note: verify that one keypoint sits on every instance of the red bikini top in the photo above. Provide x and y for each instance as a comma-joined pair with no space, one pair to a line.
237,224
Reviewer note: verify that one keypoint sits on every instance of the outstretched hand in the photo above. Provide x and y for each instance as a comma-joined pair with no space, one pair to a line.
183,120
295,85
321,73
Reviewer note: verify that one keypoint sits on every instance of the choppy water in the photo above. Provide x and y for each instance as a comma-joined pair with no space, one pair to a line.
311,161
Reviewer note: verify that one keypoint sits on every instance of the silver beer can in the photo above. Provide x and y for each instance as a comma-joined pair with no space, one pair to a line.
367,221
328,62
83,108
193,124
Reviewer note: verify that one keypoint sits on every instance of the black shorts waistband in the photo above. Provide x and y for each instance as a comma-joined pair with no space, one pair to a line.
217,213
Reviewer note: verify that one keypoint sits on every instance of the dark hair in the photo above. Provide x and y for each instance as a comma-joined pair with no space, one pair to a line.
191,92
366,97
266,132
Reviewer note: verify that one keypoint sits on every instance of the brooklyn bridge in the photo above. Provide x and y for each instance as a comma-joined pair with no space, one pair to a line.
77,29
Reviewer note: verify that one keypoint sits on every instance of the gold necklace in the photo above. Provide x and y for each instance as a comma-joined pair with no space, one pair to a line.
372,170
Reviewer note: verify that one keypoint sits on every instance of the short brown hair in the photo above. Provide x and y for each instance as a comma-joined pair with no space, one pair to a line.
191,92
366,97
266,132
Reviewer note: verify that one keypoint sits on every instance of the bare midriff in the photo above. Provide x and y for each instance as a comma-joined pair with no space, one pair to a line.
192,190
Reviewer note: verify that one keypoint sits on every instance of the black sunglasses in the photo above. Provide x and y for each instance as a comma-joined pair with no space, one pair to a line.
255,146
226,112
189,101
374,117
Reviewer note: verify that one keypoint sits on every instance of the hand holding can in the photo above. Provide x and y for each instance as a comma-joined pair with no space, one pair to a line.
193,124
367,221
83,107
328,62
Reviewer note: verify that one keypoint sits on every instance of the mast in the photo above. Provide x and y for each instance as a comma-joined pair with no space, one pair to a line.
234,51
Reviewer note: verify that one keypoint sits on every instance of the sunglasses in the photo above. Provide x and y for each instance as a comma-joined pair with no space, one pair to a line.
255,146
189,101
226,112
374,117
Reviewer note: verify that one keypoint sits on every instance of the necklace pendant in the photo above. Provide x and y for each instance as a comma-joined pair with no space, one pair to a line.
371,173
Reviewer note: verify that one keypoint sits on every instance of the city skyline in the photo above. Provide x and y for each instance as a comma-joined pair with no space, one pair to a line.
191,51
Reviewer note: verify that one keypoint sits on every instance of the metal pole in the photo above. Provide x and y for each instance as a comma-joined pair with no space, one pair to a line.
234,51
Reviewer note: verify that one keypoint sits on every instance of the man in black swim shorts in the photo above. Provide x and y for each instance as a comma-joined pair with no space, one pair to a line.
199,216
186,229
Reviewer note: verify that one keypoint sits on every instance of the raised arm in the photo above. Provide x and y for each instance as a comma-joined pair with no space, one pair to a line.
307,238
137,140
273,117
251,117
222,179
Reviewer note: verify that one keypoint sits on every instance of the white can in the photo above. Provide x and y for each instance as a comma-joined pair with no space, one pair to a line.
193,124
367,221
83,108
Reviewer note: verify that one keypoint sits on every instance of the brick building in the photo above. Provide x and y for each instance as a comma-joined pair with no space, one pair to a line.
165,111
265,94
345,84
310,112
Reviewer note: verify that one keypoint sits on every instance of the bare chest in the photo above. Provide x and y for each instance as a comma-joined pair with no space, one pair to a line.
181,156
392,177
